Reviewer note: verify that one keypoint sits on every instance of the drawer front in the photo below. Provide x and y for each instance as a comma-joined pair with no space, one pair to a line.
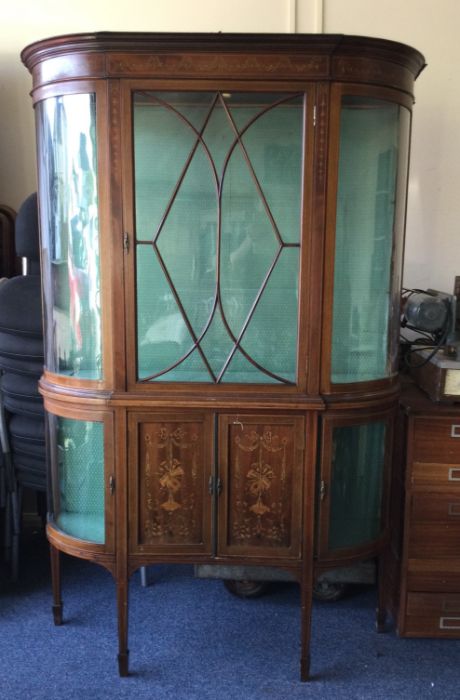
436,475
433,614
441,539
435,575
432,507
437,440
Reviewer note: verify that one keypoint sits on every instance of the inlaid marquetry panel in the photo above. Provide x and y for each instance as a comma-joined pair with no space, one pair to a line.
261,465
173,467
373,71
218,65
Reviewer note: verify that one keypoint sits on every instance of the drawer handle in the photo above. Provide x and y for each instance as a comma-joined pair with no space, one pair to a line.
454,509
455,431
454,474
449,623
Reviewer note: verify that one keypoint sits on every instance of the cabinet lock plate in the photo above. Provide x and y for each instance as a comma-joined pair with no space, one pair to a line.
215,486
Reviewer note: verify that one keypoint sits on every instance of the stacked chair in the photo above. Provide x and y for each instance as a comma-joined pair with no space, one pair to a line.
22,420
10,264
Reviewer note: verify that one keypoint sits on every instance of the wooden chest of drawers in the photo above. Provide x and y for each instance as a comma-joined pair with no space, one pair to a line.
423,582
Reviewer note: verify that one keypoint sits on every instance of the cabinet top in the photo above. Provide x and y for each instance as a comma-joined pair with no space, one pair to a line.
279,56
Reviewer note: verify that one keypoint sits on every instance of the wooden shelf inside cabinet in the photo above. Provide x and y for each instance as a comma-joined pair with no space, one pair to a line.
424,559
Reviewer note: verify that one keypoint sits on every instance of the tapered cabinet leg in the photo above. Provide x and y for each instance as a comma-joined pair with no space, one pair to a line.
381,612
143,574
306,607
8,529
56,584
16,512
122,603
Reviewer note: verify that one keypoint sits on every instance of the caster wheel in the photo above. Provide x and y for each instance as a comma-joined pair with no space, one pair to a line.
246,589
328,591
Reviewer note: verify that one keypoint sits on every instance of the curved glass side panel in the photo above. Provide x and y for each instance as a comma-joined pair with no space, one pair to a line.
398,242
77,463
374,140
358,459
70,234
218,214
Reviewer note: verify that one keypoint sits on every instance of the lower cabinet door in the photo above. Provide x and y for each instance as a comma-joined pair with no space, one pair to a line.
353,489
170,463
81,458
260,467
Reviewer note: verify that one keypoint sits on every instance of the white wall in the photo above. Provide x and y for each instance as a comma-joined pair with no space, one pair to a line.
25,21
433,231
432,257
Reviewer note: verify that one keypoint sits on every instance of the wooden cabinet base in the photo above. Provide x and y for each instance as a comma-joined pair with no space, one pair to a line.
424,559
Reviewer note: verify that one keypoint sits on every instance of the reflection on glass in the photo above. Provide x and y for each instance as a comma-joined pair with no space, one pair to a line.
398,239
372,173
358,458
70,235
218,186
79,502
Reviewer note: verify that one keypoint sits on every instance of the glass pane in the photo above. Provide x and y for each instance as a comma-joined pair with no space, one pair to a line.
372,168
70,234
399,224
163,338
358,458
278,304
163,141
274,146
218,188
79,502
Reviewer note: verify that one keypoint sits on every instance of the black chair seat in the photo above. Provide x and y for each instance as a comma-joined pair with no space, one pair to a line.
20,395
24,407
26,448
21,365
20,386
29,430
26,347
33,368
29,462
20,306
31,479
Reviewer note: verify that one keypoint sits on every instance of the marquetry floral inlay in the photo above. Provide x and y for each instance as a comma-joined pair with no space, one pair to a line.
170,468
257,481
218,64
171,480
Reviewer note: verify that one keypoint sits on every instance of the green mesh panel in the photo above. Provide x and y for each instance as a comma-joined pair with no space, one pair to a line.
369,142
70,234
273,144
218,236
356,484
276,351
80,511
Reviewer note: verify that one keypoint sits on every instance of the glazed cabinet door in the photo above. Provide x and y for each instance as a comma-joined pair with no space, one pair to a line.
73,226
215,198
261,462
82,479
170,465
353,484
365,230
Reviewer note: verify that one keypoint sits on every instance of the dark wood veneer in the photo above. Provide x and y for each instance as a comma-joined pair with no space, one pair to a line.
238,452
426,546
255,56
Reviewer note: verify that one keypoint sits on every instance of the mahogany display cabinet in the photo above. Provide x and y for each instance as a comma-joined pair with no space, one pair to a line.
222,224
